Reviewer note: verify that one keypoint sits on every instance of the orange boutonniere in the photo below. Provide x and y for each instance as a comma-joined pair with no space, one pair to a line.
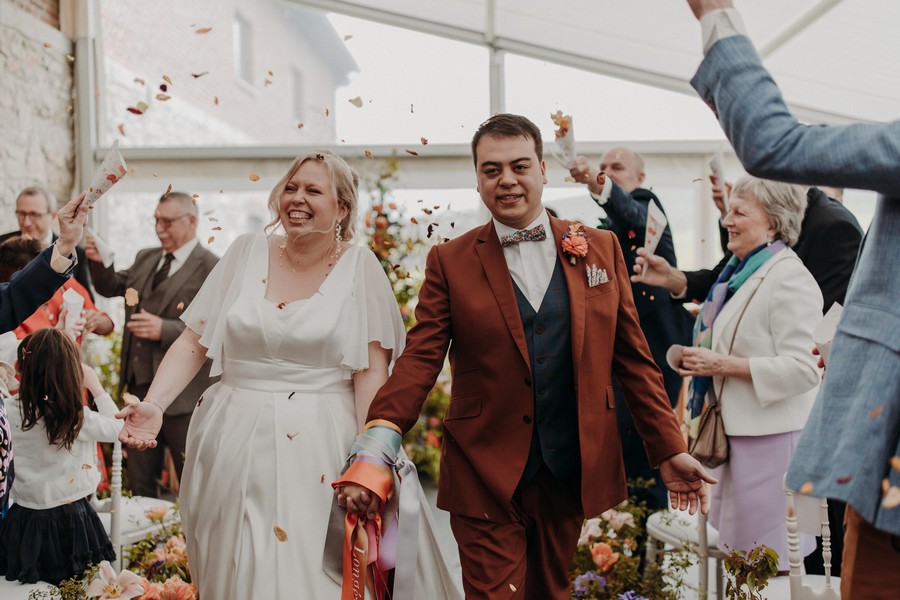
574,242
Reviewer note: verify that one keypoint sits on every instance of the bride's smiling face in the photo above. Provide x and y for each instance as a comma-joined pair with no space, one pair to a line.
309,202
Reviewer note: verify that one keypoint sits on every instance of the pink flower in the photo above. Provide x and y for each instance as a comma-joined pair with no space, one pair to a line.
618,519
106,585
151,590
176,549
590,528
603,556
176,589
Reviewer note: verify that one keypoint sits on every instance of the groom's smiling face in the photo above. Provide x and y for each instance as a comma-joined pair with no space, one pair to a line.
511,179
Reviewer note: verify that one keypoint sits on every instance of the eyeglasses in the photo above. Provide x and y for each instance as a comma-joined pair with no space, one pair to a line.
22,215
166,223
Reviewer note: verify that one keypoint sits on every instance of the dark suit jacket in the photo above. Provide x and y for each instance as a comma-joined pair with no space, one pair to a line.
829,242
81,271
467,304
181,288
28,290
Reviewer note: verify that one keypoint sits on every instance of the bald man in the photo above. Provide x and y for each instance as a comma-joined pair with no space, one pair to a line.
617,187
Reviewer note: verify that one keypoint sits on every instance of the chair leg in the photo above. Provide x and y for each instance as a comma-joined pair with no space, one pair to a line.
651,553
720,583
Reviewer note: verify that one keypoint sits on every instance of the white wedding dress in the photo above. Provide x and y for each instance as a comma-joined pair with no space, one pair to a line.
266,442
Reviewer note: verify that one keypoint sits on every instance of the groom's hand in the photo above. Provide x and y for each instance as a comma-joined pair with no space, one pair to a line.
686,480
358,499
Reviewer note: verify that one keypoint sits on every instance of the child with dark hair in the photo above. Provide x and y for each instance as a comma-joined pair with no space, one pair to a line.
51,532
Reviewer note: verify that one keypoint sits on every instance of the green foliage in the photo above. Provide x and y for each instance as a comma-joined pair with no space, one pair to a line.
104,353
751,570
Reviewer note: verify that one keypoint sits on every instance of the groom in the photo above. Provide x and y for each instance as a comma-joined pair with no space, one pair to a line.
530,438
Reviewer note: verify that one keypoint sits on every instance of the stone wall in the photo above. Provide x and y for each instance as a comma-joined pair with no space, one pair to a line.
36,104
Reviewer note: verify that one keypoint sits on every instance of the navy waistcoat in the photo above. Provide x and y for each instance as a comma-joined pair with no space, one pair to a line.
548,333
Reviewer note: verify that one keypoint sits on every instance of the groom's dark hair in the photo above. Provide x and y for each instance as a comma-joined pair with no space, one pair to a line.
507,125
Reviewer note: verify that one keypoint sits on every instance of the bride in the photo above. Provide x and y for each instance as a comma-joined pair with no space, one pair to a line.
302,326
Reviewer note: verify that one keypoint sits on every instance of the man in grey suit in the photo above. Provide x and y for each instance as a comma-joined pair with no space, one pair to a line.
166,279
849,447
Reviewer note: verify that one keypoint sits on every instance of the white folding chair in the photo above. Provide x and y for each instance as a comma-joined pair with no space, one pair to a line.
125,519
678,530
805,514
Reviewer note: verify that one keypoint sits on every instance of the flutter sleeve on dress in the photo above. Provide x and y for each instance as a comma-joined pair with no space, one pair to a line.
375,316
206,313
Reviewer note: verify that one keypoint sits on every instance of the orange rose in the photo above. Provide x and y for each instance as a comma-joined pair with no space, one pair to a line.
151,591
176,589
575,245
603,556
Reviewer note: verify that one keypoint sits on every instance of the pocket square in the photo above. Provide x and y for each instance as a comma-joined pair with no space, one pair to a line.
596,276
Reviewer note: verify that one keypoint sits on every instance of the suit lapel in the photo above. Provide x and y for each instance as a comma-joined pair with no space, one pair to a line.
147,270
488,248
180,277
576,280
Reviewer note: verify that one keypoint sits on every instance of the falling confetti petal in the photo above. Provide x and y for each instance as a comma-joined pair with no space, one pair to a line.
807,488
413,152
168,191
140,81
327,112
411,109
844,480
280,534
512,587
216,100
163,87
290,436
167,79
254,177
180,306
357,102
369,154
199,75
138,109
121,128
131,297
204,30
86,466
876,412
267,82
211,239
424,141
70,58
47,45
895,463
347,38
217,229
299,125
163,97
322,480
892,498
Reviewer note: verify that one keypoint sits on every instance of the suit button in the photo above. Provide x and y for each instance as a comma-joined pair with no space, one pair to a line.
527,382
526,419
539,330
540,359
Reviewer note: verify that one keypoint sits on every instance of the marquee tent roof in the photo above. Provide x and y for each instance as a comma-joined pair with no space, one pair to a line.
832,58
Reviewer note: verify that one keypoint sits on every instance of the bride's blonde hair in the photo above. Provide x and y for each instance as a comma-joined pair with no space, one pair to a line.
343,177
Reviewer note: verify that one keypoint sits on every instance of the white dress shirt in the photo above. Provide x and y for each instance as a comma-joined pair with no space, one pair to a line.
719,24
531,264
178,257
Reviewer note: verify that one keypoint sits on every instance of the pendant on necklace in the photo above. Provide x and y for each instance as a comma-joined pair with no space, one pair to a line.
282,304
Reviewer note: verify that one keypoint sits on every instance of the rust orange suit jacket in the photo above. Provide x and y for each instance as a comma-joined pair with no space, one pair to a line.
467,304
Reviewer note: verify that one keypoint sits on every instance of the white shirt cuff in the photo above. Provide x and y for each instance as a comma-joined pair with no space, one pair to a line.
61,264
719,24
603,196
682,295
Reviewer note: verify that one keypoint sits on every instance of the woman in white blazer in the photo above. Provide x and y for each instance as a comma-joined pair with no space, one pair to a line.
752,353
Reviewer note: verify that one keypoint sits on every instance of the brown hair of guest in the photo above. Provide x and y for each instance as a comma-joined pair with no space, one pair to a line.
15,253
51,385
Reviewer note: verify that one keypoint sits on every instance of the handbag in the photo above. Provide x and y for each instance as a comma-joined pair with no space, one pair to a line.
710,446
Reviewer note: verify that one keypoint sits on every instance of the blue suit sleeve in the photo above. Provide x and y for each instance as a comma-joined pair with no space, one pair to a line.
28,290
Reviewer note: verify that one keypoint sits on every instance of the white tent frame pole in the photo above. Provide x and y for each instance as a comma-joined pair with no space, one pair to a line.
814,13
543,53
84,17
497,58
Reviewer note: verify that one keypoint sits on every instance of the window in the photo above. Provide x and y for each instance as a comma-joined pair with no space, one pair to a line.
243,50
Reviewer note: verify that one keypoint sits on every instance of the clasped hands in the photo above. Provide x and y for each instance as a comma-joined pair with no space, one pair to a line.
143,421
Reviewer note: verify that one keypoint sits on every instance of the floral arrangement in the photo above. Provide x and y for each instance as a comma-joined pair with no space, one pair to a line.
574,242
157,569
607,564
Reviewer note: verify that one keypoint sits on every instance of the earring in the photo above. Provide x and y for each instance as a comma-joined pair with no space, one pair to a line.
337,233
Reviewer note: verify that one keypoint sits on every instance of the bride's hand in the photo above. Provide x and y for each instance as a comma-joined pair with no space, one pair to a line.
358,499
143,421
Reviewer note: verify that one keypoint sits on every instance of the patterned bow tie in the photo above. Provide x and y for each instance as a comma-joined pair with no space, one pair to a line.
535,234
